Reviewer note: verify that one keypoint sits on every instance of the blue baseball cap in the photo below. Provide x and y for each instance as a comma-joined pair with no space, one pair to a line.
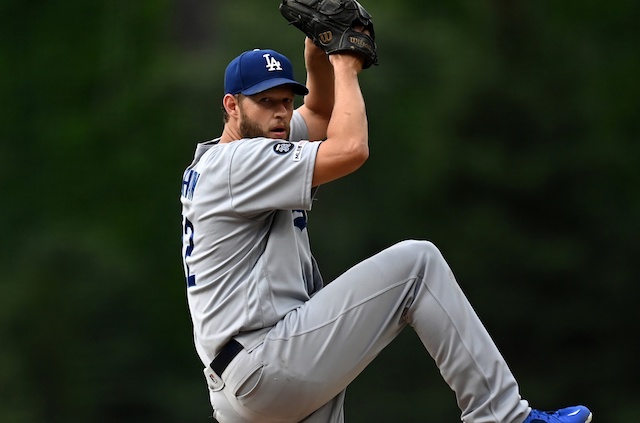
257,70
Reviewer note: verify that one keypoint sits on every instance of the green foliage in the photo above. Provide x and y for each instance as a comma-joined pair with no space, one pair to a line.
505,132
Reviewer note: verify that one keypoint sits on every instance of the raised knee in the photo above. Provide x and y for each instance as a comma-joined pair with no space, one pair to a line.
419,247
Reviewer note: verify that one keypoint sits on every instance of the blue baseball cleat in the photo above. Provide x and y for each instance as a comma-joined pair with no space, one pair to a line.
576,414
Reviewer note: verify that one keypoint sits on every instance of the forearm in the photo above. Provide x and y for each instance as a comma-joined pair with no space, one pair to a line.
347,146
318,104
320,82
348,123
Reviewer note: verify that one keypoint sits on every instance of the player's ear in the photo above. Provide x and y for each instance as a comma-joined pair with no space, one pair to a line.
230,103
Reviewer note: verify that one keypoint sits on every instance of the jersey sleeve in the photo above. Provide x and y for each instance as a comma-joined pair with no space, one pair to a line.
299,130
267,174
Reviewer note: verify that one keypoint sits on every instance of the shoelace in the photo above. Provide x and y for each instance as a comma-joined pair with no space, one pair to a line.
538,415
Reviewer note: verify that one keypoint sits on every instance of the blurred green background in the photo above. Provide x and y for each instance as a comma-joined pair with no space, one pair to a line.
505,131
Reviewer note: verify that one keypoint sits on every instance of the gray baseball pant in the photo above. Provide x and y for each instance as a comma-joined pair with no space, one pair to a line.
299,370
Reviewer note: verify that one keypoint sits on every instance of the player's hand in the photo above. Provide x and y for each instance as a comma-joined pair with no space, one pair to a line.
315,59
311,49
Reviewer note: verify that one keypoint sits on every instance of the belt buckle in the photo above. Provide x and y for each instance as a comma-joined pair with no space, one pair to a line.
214,381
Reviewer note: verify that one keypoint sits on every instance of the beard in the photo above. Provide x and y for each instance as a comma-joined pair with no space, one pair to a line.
251,129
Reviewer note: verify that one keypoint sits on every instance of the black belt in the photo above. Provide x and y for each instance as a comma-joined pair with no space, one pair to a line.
224,357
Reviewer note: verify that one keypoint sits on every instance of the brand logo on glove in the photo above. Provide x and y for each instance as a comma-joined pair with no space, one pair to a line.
360,43
272,63
326,37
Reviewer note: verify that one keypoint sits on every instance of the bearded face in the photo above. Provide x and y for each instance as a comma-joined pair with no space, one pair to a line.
265,115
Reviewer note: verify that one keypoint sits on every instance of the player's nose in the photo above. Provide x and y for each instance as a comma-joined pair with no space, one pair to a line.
281,110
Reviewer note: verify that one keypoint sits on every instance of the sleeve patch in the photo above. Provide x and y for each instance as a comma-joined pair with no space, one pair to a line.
283,147
297,155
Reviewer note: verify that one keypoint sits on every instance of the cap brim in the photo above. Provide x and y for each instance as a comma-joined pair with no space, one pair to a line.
298,88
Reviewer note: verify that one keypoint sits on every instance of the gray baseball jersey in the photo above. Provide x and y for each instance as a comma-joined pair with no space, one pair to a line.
246,250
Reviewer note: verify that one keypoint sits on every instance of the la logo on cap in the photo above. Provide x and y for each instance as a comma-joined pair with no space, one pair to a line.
272,63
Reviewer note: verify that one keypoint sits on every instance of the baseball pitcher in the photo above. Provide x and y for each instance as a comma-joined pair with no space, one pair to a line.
277,346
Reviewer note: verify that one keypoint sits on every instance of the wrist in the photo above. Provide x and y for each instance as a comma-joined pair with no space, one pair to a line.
346,62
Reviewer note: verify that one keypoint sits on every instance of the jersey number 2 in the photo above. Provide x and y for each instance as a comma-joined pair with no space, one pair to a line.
187,246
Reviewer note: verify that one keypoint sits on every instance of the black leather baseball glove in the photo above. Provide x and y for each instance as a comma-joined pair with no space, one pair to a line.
330,24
